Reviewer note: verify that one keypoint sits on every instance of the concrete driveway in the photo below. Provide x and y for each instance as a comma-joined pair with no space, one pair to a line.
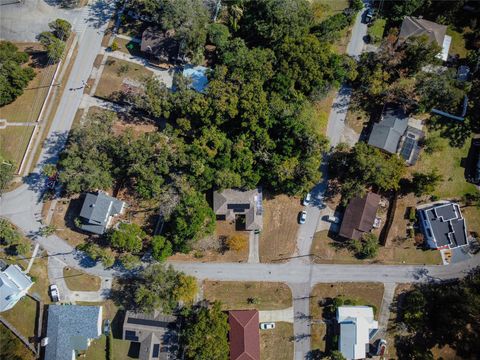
285,315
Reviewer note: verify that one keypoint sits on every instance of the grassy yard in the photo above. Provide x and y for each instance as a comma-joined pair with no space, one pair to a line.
79,281
457,47
235,295
364,293
97,349
277,344
322,111
128,47
278,237
39,272
16,349
116,72
22,316
64,215
323,9
14,142
449,163
357,119
376,30
328,250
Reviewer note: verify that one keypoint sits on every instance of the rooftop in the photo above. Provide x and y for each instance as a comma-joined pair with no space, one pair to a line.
161,44
244,335
97,210
13,284
70,329
387,133
359,216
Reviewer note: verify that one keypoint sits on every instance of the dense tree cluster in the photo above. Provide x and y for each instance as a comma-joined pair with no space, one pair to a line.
439,314
54,40
14,77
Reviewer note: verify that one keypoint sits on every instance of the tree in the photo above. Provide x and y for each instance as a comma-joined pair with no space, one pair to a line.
14,77
335,355
204,333
186,289
22,249
53,45
49,170
433,143
47,230
128,237
366,247
426,183
218,35
161,248
61,28
129,261
8,234
7,170
237,243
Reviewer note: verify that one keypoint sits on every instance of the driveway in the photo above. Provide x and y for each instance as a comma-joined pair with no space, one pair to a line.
285,315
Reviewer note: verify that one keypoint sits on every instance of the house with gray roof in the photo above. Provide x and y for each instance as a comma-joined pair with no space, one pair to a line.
155,333
70,329
242,206
443,225
97,212
413,26
14,284
397,134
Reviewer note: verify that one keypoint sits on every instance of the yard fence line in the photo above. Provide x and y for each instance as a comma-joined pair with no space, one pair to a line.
30,141
22,338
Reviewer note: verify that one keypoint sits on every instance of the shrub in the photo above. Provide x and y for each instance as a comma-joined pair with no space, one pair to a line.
412,214
161,248
237,242
114,46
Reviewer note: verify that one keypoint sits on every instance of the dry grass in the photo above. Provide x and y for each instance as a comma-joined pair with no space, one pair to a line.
17,350
278,237
322,111
97,349
327,250
356,119
112,80
323,9
364,293
128,47
472,218
22,316
235,295
277,344
63,219
77,280
39,271
14,141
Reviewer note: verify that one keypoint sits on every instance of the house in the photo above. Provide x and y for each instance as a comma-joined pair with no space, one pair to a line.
70,329
360,216
14,284
472,166
397,134
357,327
160,46
152,331
443,225
198,76
244,335
413,26
243,207
97,212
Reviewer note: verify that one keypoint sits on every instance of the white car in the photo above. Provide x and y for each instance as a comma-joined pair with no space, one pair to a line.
333,219
303,217
54,294
267,326
307,199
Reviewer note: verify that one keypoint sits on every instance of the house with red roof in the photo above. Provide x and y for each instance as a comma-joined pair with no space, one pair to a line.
244,335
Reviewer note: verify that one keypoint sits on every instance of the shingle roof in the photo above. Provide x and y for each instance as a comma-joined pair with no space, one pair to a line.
96,210
244,335
69,328
359,216
161,44
13,281
447,225
412,26
387,133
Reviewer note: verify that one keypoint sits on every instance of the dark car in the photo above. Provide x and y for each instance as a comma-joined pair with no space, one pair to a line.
369,16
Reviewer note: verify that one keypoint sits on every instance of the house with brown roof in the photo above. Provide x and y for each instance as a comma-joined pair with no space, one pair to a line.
360,216
242,206
244,334
154,332
413,26
161,47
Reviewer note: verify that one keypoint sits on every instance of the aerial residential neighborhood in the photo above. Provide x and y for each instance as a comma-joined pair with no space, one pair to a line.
239,180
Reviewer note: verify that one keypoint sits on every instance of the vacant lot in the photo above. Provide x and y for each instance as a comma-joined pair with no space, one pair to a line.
14,142
327,250
277,344
248,295
322,111
376,30
79,281
22,316
119,75
323,9
364,293
280,226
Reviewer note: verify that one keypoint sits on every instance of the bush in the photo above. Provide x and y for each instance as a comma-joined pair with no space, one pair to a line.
330,28
129,261
114,46
123,69
8,234
237,242
22,249
366,248
161,248
412,214
128,237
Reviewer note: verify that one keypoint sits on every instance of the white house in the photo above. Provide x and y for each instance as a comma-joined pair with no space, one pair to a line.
14,284
357,327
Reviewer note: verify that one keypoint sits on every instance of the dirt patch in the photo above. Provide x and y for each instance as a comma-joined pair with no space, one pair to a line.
277,344
77,280
248,295
357,119
119,127
363,293
278,238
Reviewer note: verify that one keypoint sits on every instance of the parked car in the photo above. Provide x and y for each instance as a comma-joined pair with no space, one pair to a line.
307,199
332,219
54,294
106,327
369,15
302,217
267,325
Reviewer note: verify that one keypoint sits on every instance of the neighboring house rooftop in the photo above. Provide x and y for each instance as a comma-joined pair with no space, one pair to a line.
244,335
231,202
412,26
198,76
14,284
97,211
152,331
443,225
472,166
70,328
359,216
357,326
162,45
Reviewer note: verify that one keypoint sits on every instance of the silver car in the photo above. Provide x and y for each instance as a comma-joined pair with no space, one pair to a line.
303,217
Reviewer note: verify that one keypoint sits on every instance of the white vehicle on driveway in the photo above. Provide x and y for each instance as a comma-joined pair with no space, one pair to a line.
307,199
54,294
302,217
267,325
332,219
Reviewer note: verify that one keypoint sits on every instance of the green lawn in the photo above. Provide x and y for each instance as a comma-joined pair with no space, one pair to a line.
113,77
14,141
128,47
457,47
97,349
376,30
22,316
323,9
